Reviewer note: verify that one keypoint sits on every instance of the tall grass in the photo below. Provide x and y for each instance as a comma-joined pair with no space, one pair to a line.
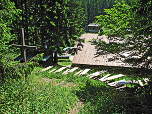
37,97
50,96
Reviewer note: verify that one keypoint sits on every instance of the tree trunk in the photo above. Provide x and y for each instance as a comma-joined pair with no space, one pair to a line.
55,58
51,57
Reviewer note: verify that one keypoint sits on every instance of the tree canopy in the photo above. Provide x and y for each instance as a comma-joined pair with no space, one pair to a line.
52,23
8,14
93,8
131,22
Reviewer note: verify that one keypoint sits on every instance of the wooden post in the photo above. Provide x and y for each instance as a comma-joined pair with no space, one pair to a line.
23,46
51,57
55,58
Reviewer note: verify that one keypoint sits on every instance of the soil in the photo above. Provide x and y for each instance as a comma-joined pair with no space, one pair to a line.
76,108
70,85
50,80
61,83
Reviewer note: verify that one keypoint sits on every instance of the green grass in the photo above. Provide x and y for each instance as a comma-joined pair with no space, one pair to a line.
46,97
65,63
63,60
37,97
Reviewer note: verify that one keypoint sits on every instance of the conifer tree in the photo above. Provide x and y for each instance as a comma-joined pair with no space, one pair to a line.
8,14
55,23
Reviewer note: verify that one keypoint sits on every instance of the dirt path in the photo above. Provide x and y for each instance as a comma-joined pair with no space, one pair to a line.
79,104
60,83
76,108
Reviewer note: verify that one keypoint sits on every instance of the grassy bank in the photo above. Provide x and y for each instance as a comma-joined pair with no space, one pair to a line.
64,62
56,93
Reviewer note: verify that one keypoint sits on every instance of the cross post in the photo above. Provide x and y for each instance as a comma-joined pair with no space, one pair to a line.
23,46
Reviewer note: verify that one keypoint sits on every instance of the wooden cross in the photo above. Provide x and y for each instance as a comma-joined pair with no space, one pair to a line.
23,46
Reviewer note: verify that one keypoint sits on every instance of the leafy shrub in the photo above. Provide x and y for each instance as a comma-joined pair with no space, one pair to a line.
14,69
37,97
37,58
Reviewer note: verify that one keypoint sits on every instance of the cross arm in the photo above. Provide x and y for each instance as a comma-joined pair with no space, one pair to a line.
14,45
30,47
25,46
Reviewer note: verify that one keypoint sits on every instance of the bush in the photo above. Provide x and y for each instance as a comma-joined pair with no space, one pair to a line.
14,69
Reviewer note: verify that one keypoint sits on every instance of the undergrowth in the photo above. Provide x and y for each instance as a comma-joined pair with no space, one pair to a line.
42,96
37,97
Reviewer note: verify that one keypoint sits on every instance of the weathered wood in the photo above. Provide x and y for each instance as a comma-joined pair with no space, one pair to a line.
121,87
66,72
78,72
59,70
84,72
104,78
141,84
23,46
103,71
134,81
114,77
52,70
72,70
27,47
146,80
46,68
75,68
94,74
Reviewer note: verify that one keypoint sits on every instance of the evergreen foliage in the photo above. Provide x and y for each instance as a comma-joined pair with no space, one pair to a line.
8,14
58,24
52,23
94,8
124,19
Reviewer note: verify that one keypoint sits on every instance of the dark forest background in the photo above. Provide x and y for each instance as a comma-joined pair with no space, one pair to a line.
57,23
94,8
